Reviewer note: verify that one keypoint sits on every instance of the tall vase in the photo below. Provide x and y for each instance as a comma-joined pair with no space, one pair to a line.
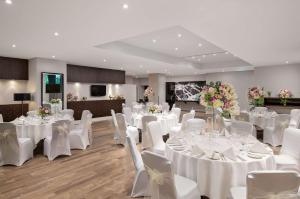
211,119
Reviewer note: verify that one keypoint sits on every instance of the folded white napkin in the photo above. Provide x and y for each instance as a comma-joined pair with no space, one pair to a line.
229,153
259,148
197,151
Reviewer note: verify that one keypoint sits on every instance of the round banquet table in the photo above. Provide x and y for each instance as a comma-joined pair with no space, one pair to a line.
215,177
167,120
35,128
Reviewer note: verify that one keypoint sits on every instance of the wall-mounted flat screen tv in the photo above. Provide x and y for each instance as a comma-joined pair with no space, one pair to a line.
188,91
53,83
98,90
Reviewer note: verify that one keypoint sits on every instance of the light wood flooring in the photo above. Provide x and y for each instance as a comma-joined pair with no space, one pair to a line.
103,171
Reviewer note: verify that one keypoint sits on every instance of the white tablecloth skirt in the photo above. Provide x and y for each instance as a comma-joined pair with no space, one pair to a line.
34,132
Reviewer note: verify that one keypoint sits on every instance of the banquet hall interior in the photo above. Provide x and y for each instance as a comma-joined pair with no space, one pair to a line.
152,99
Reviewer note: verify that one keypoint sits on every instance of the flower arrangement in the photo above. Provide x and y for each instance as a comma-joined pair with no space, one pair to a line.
221,96
284,94
43,112
154,108
55,101
256,96
148,92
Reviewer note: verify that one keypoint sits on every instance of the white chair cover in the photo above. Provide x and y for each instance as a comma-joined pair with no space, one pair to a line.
163,183
165,107
274,134
146,137
1,118
141,180
79,138
67,114
181,128
269,185
289,157
155,131
13,150
121,128
58,143
243,116
128,115
195,125
177,112
260,110
241,128
115,124
295,119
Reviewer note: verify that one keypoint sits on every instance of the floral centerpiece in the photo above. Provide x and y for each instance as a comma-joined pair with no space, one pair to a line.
43,112
148,93
220,96
284,94
256,96
154,109
55,101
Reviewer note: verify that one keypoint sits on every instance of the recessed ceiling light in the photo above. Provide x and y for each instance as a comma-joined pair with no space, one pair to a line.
203,56
53,56
214,54
199,59
104,60
14,45
56,34
193,57
176,49
286,62
199,44
179,35
154,40
226,52
125,6
122,68
8,1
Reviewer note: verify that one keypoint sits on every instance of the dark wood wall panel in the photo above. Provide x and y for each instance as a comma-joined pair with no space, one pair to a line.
86,74
12,111
99,108
13,68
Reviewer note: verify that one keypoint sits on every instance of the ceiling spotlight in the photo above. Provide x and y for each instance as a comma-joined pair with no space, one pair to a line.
199,44
214,54
176,49
8,2
122,68
125,6
53,56
199,59
56,34
104,60
193,57
226,52
179,35
203,56
286,62
14,45
154,40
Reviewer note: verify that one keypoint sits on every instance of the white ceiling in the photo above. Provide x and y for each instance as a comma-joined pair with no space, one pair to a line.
258,32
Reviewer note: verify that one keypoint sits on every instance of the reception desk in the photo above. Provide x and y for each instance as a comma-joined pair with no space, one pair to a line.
99,108
275,104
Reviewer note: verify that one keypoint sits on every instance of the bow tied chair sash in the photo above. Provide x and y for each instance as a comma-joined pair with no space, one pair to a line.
157,179
284,124
62,131
9,146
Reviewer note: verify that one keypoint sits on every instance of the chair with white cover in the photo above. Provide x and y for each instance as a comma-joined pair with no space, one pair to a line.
243,116
273,134
79,138
260,110
163,183
128,115
268,185
177,112
67,114
13,150
165,107
58,143
181,127
121,129
1,118
289,157
195,125
115,124
295,119
146,137
242,128
140,183
158,144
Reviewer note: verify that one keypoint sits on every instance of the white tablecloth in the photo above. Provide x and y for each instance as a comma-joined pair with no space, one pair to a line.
216,177
167,121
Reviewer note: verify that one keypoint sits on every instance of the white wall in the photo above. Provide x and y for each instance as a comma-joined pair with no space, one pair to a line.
36,67
279,77
240,80
9,87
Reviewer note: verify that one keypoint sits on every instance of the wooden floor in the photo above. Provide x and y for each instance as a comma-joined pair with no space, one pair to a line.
102,171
